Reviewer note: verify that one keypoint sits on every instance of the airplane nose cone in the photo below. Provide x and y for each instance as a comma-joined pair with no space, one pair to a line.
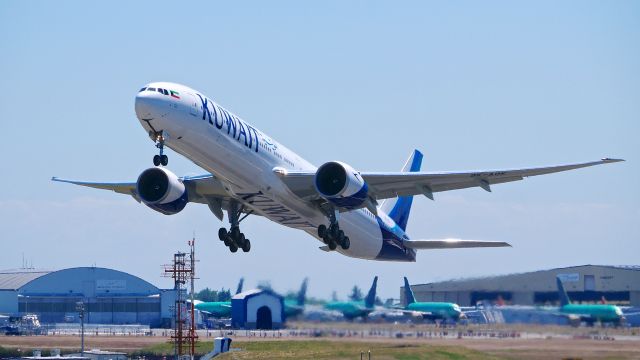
146,106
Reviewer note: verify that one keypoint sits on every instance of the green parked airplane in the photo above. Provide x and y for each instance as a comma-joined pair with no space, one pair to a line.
430,310
293,308
589,313
353,309
218,309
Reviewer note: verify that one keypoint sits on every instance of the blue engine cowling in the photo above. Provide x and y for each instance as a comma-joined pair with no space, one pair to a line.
161,190
340,184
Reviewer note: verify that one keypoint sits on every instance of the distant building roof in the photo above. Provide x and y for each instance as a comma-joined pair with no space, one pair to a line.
15,279
475,278
253,292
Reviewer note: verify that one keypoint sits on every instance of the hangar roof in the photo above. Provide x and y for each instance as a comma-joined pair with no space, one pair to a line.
251,293
89,281
15,279
544,280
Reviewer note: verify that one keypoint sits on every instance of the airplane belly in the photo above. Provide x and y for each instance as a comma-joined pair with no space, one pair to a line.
241,167
364,235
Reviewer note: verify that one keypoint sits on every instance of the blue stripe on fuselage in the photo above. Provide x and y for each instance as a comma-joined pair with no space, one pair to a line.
173,207
392,248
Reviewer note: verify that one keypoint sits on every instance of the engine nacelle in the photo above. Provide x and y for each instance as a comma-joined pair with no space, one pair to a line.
340,184
161,190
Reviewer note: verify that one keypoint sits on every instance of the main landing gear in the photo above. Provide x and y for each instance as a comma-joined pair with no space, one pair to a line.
162,158
234,239
333,236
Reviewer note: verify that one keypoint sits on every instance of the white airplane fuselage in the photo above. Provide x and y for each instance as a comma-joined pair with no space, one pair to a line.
244,158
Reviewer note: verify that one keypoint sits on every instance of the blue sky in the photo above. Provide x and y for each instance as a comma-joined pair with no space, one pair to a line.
474,85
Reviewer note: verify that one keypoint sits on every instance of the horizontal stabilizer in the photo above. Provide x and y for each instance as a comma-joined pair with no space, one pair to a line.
452,244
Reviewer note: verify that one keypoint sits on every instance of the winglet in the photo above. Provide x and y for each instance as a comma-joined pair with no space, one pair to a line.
610,160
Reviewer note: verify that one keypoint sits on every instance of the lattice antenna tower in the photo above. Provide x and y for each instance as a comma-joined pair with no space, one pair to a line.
183,334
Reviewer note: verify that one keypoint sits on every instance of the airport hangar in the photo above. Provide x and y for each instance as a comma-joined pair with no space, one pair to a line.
585,283
109,296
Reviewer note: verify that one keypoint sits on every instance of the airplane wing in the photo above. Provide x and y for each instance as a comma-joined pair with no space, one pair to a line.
384,185
204,189
452,244
388,185
122,188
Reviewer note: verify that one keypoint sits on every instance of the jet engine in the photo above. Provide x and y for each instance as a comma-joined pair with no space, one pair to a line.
161,190
340,184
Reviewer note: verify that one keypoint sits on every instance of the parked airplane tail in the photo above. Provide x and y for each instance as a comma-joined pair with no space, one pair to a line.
240,283
564,298
408,293
399,208
303,292
370,300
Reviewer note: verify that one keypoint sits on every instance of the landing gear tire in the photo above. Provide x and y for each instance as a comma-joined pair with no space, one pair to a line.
246,246
156,160
164,160
222,234
346,243
322,231
233,248
333,236
235,233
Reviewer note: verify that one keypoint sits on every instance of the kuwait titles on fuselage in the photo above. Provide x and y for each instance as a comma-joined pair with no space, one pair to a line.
244,158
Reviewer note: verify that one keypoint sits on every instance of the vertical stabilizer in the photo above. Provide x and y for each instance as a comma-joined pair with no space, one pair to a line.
240,283
408,293
300,299
370,300
398,209
564,298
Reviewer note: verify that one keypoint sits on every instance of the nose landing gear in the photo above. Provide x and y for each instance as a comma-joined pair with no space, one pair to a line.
158,137
333,236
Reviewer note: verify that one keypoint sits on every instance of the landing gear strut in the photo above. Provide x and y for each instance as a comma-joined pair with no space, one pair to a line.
333,236
162,158
234,239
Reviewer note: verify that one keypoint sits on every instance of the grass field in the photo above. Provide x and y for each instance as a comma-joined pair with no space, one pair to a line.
408,350
157,347
349,350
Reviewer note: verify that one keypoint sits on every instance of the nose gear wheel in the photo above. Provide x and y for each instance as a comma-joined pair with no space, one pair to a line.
160,159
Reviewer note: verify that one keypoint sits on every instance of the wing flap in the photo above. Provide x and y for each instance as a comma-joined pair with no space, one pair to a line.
452,244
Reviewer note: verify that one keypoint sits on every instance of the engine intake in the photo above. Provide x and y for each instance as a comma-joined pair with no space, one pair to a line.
340,184
161,190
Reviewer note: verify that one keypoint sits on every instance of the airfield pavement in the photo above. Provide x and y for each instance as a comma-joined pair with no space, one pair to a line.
348,339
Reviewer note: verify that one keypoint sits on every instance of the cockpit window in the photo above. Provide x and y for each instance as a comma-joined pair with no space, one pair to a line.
143,89
151,89
160,91
166,92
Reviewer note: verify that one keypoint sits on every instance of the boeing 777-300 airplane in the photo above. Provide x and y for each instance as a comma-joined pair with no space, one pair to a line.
252,174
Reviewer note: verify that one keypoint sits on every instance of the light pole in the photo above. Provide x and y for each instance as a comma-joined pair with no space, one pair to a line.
80,310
